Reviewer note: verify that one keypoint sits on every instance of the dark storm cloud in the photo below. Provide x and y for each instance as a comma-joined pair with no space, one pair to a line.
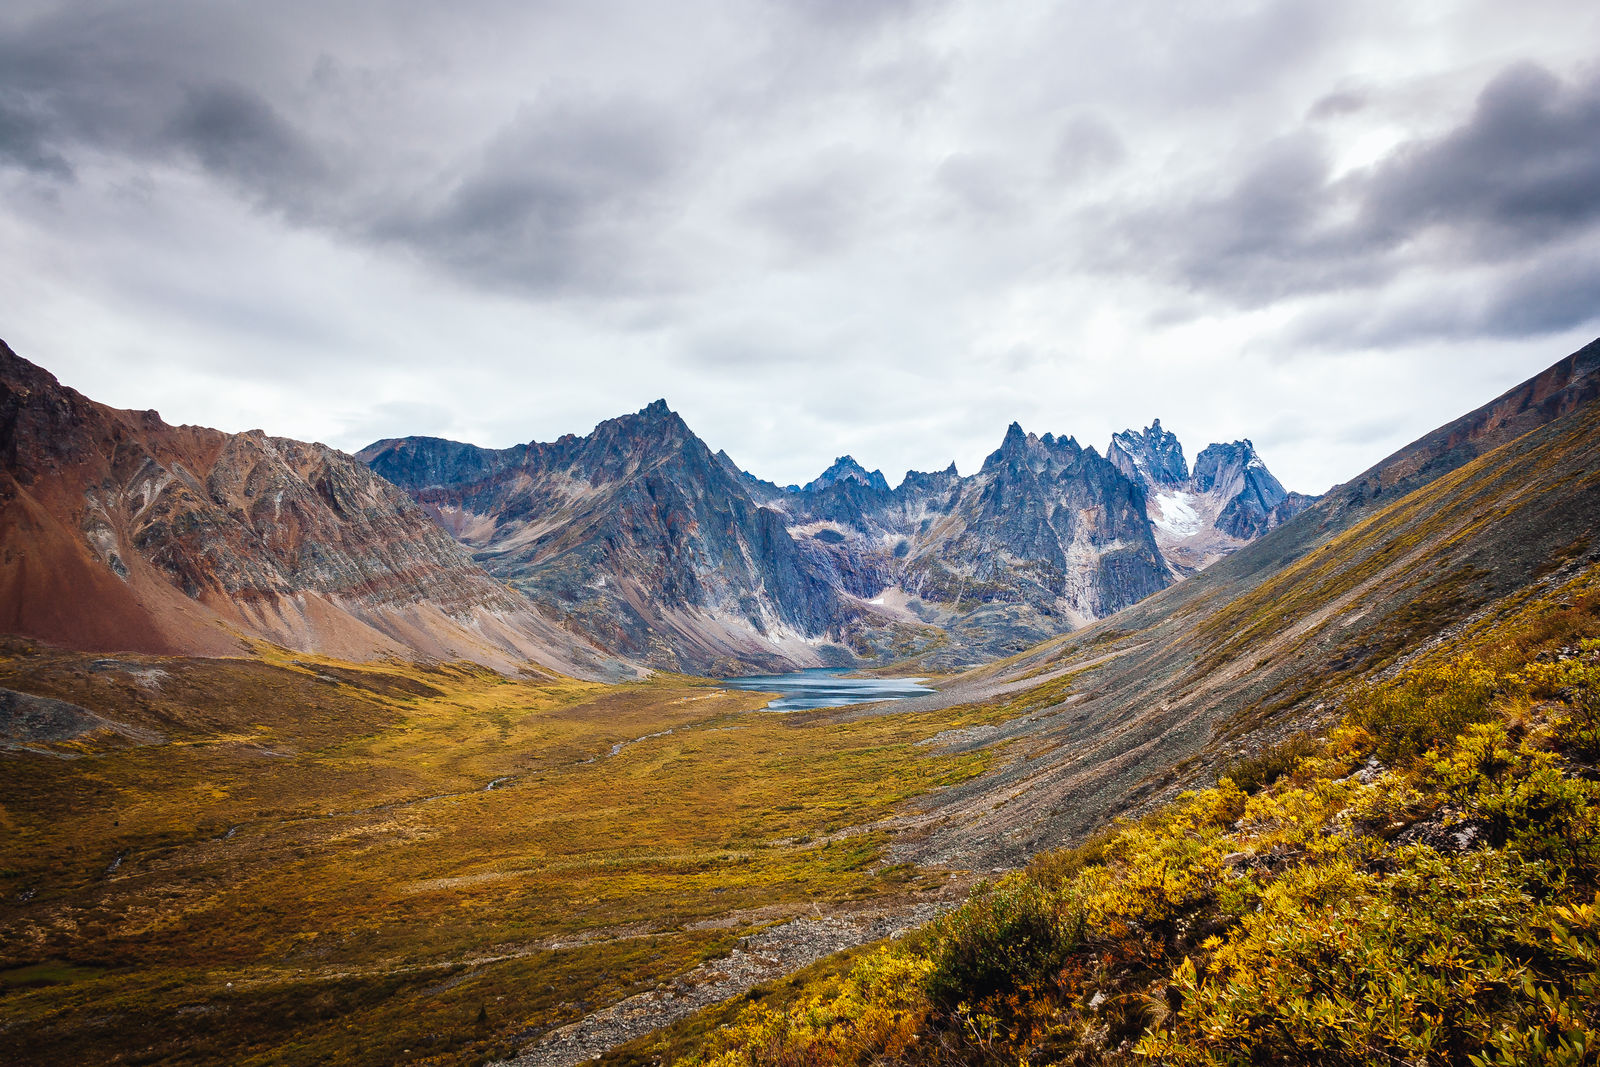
1523,169
103,76
1520,173
1545,295
556,200
24,142
560,199
240,137
1268,237
1528,297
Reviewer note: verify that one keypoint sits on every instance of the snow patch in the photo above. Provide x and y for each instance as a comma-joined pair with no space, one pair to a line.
1175,514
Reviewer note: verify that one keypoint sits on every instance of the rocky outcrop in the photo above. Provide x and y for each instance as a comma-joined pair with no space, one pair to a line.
1044,523
1199,516
1153,457
27,720
124,533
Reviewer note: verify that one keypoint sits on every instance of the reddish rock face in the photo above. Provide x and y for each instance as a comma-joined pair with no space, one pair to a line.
120,532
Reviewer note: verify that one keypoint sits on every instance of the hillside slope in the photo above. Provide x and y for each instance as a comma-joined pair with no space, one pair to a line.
1155,697
119,532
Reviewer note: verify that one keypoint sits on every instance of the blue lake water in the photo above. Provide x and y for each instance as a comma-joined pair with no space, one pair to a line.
826,687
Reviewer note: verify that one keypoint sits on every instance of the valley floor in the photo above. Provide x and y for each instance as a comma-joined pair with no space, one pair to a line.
317,862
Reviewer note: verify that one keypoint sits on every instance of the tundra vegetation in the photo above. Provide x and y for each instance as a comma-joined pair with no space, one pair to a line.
311,867
1416,884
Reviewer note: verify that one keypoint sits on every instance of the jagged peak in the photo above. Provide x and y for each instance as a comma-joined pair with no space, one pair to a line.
655,415
1219,461
1153,456
845,468
916,477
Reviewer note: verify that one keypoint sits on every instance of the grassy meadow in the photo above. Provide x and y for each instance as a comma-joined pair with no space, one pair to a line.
313,868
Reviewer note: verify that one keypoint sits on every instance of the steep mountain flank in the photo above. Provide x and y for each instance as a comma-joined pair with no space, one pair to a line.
1046,523
120,532
638,536
1464,522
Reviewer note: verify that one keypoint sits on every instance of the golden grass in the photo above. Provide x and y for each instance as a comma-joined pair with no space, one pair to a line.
311,869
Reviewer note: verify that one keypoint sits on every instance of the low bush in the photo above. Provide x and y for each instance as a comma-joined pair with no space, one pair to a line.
1008,935
1429,706
1254,773
1442,912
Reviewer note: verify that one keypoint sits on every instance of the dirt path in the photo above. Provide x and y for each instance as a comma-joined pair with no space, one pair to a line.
765,955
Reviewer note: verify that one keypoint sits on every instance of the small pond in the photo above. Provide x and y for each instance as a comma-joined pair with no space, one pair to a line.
826,687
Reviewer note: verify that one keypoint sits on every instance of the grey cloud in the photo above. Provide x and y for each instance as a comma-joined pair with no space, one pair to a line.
1542,295
1265,238
1525,167
1019,208
240,137
855,13
1546,296
1337,104
554,200
24,143
104,76
981,183
1202,57
821,211
1521,172
1087,144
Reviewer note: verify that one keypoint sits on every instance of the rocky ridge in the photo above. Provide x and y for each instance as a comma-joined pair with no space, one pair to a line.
642,539
119,532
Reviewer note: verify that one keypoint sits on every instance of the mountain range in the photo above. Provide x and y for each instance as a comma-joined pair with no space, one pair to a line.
429,848
633,546
648,544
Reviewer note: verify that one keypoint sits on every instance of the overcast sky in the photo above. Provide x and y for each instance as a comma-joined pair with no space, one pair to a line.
881,227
